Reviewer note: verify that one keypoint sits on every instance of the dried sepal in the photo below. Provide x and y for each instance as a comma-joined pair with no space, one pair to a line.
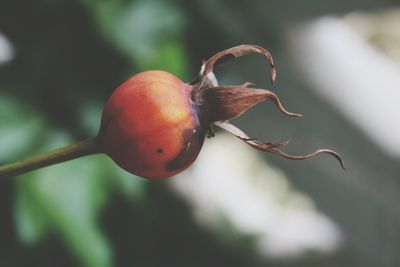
227,102
237,51
273,148
217,104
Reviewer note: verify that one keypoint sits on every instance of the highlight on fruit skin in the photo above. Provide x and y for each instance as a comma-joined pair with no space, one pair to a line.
154,124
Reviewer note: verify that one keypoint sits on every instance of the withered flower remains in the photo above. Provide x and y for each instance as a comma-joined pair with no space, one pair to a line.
219,104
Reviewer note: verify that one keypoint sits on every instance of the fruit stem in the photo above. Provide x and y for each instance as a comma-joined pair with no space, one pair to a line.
83,148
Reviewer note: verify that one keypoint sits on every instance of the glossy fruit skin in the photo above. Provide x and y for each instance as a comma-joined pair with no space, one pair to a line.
150,126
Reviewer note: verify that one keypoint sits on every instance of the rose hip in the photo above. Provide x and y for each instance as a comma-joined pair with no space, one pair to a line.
150,125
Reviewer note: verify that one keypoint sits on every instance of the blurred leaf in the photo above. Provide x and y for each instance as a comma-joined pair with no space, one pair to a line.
172,59
67,199
20,128
32,222
148,32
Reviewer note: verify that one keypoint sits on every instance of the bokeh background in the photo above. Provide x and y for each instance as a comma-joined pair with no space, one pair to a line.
338,64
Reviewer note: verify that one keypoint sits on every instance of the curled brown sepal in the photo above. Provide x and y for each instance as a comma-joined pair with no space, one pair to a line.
273,148
226,102
237,51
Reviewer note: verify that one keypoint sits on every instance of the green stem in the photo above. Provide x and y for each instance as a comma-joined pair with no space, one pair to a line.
86,147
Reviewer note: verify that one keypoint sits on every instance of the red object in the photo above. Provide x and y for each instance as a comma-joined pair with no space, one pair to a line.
150,126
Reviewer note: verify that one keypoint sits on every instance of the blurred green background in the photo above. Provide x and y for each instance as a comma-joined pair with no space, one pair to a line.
61,60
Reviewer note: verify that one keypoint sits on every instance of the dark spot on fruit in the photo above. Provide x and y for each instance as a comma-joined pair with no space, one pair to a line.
159,150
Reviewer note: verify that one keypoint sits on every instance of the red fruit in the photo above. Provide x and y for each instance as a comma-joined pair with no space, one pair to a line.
150,125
